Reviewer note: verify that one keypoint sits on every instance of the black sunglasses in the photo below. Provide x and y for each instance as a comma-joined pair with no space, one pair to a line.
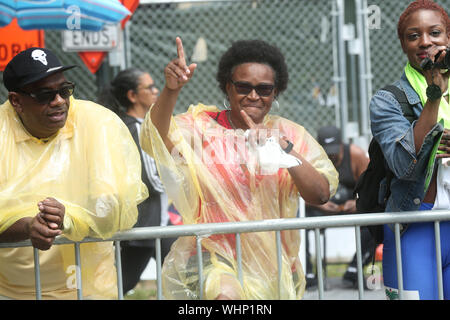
263,90
45,97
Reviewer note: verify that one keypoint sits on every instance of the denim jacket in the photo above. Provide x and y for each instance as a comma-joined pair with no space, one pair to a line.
395,135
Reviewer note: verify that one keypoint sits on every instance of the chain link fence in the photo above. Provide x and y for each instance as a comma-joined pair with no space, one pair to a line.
302,29
207,29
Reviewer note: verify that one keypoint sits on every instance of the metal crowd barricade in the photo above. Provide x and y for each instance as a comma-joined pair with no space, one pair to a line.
201,231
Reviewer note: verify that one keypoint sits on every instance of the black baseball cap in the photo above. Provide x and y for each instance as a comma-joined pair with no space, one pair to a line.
31,65
330,139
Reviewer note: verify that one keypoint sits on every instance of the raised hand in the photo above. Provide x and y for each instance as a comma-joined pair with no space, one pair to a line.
177,73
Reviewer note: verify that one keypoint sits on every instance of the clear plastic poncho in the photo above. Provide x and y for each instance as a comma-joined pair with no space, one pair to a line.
92,166
210,177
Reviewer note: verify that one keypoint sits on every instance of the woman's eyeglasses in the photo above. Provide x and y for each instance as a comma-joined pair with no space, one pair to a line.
47,96
149,87
263,90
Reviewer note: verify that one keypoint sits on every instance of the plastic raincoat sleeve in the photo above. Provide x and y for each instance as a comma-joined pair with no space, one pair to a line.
92,166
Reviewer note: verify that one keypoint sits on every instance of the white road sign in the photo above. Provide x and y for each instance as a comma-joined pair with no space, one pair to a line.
106,39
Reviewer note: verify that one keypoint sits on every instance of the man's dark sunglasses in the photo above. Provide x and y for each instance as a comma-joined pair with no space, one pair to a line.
263,90
47,96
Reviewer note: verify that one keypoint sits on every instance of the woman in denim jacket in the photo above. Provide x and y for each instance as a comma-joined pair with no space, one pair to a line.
424,31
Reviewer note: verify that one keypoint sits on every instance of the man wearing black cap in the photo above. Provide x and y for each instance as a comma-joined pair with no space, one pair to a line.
350,161
29,71
67,167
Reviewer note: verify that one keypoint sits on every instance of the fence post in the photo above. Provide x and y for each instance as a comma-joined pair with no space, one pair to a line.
200,266
239,259
158,269
279,262
119,269
359,262
319,262
37,274
78,271
437,237
398,252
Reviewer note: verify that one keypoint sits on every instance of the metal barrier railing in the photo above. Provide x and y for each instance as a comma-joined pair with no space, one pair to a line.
277,225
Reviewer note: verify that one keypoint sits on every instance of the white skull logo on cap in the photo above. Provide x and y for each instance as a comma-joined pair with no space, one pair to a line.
39,55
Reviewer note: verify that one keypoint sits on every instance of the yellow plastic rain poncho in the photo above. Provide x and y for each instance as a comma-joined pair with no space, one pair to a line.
211,182
92,166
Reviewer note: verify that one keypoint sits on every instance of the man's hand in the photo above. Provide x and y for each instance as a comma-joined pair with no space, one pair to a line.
40,229
40,234
349,206
52,212
330,207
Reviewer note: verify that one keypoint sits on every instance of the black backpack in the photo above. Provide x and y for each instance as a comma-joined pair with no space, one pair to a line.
367,187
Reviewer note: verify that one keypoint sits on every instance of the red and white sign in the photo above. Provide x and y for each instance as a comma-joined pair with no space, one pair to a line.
93,59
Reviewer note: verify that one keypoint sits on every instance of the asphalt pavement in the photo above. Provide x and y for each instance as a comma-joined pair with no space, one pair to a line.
334,289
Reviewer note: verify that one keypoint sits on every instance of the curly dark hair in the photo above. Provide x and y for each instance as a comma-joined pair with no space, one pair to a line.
258,51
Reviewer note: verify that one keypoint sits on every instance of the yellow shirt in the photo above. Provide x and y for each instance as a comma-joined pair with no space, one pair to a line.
92,166
215,180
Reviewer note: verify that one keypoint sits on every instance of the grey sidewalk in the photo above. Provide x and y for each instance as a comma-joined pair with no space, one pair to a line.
335,290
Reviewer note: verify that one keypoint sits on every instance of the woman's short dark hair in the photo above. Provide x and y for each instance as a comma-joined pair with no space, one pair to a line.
114,96
421,5
244,51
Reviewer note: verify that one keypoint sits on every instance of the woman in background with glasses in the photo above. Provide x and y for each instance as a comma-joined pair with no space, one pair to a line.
130,94
236,164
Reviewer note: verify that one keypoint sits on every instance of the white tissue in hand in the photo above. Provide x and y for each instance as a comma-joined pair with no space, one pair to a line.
271,157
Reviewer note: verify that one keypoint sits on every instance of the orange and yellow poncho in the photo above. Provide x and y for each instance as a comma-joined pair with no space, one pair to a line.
210,179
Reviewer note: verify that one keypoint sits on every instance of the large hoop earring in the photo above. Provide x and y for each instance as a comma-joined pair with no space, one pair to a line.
276,105
226,103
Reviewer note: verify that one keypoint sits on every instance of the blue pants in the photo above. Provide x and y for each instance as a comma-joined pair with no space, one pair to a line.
419,261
